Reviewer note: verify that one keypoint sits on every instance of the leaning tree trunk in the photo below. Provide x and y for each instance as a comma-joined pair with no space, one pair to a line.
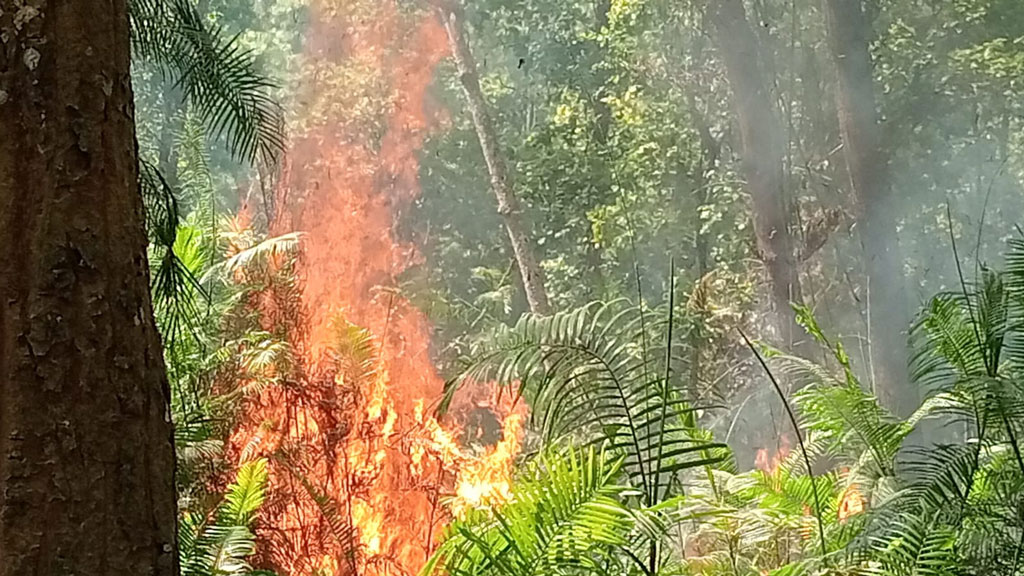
858,122
762,148
86,449
508,205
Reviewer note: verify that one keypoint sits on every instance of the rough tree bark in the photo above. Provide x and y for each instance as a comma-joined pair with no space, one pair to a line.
762,148
858,122
508,204
86,442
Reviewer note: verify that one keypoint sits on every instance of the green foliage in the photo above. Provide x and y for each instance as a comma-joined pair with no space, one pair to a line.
616,121
565,516
594,374
601,143
226,339
948,507
217,76
215,82
847,420
173,258
219,543
888,504
598,376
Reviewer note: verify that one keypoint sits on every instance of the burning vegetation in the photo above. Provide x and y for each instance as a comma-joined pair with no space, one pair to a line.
664,181
363,475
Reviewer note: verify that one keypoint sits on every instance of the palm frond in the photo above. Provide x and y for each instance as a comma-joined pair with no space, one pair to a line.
221,544
216,74
246,495
913,546
258,256
849,419
174,285
195,443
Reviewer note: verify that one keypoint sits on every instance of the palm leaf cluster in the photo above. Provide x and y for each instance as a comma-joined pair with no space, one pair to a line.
231,357
224,94
601,377
943,487
961,508
216,74
846,421
220,543
938,493
760,520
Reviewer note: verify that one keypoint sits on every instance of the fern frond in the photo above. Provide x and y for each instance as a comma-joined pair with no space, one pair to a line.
221,544
257,257
565,513
913,546
589,374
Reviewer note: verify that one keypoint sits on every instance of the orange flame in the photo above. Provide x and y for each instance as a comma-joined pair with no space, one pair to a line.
851,503
358,460
770,464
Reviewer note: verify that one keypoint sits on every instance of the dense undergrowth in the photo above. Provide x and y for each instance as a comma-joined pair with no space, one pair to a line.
877,499
619,476
627,467
864,492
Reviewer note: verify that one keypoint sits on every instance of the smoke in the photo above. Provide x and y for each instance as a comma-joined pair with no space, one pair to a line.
382,119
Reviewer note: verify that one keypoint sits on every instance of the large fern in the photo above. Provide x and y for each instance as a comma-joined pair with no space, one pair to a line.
565,516
958,509
598,374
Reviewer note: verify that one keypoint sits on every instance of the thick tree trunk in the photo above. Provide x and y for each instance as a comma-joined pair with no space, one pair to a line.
763,146
86,442
508,205
858,122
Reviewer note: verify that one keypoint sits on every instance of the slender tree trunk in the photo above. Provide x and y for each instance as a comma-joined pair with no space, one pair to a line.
858,122
593,259
710,151
86,442
171,125
763,147
604,111
508,205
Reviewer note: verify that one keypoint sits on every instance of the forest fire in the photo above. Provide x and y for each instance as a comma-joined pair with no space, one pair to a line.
851,503
770,464
360,467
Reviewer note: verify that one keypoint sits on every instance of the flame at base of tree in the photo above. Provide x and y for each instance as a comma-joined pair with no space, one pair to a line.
362,476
